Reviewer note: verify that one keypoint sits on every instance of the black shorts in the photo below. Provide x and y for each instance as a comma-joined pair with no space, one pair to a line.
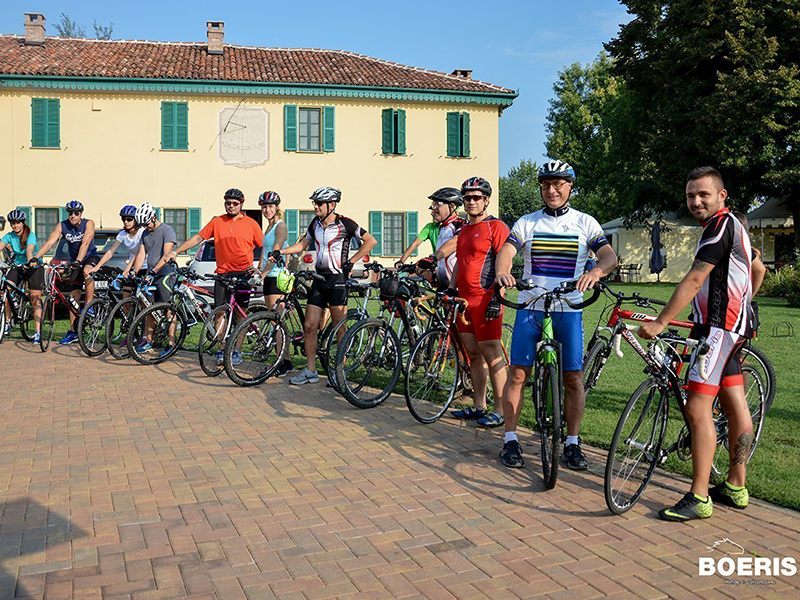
243,292
164,285
73,279
34,278
271,287
327,293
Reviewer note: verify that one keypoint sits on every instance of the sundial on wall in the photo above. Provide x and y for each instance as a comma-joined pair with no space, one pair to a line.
243,136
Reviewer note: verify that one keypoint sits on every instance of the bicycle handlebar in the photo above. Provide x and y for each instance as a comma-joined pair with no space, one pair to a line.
558,293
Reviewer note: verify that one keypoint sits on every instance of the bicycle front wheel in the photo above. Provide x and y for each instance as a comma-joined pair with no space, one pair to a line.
48,322
25,320
92,327
636,446
211,341
331,342
549,421
255,349
118,325
759,362
368,363
593,364
431,376
156,334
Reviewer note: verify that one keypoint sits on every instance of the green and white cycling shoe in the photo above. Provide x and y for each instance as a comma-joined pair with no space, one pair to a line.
730,495
691,506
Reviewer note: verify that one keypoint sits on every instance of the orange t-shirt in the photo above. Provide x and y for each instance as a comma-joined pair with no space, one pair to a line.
234,240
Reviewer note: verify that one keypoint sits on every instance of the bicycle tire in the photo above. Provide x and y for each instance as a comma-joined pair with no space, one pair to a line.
261,352
92,329
432,361
210,340
159,338
25,320
355,373
48,322
549,420
762,363
118,325
188,340
2,318
646,413
505,340
332,344
593,364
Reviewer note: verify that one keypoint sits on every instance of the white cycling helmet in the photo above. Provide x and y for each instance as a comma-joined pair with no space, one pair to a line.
145,213
326,194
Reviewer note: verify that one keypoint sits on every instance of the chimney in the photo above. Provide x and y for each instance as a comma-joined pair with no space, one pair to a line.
34,29
465,73
216,33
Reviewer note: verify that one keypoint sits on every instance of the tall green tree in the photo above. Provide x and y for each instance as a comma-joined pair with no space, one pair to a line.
519,191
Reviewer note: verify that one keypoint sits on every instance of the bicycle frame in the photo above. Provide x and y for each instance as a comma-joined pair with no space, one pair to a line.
52,277
9,287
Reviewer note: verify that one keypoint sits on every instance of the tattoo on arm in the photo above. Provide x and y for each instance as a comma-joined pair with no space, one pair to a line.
741,450
701,265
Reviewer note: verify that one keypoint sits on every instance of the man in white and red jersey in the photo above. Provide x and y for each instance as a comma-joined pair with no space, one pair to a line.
719,286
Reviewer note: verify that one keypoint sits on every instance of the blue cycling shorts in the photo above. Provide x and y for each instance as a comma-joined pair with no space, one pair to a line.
567,329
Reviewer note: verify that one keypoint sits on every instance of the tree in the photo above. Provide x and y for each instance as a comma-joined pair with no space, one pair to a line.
103,32
519,192
66,27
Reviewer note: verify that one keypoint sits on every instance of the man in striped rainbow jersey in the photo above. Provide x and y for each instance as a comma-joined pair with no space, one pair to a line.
555,242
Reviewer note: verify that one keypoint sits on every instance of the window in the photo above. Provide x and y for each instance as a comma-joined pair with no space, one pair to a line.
45,127
46,220
393,233
174,126
393,131
308,129
457,134
177,219
306,216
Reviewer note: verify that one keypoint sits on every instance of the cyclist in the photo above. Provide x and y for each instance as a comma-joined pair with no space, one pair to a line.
430,233
130,236
235,236
555,242
719,287
479,241
21,242
83,255
331,234
275,238
445,203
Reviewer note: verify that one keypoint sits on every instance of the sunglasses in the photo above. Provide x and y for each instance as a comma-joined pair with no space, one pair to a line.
232,203
72,213
473,198
128,219
318,202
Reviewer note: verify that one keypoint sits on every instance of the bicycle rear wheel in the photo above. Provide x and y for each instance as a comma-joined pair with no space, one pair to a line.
156,334
261,343
27,325
636,446
549,421
593,364
212,333
507,336
332,344
757,360
431,376
48,322
368,363
92,327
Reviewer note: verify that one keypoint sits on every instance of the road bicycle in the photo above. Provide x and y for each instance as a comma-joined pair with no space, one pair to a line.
52,296
92,322
21,309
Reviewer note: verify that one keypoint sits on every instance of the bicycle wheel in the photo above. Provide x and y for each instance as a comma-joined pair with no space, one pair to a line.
156,334
368,363
756,359
194,321
756,395
593,364
27,325
332,344
118,325
212,333
431,376
92,327
505,340
636,446
549,421
261,343
48,322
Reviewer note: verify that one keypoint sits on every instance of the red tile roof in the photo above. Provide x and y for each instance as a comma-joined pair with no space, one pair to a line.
68,57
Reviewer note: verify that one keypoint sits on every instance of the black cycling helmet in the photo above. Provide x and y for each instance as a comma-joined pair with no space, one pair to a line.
450,195
477,183
75,205
17,215
557,168
326,194
234,194
269,197
127,211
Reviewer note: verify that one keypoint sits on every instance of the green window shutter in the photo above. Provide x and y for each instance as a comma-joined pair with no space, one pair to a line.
465,134
375,225
63,215
53,124
181,126
290,127
387,119
401,131
292,223
453,134
158,213
27,211
167,129
328,123
37,122
195,223
412,224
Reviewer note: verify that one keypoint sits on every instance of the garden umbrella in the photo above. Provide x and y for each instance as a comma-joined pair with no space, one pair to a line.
656,260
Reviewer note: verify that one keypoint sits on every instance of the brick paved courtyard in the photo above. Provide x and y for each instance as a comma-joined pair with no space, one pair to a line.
133,482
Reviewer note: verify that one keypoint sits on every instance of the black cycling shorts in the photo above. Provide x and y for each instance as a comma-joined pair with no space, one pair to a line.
73,279
243,292
34,277
327,293
271,287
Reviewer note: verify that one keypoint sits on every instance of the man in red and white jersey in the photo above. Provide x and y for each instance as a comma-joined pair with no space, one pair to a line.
719,286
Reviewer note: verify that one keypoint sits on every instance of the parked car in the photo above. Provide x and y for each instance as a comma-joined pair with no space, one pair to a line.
103,239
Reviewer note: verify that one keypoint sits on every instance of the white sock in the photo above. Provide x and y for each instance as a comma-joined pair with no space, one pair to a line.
510,436
571,439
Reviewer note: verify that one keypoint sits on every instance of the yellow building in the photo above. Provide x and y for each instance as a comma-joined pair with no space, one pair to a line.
176,124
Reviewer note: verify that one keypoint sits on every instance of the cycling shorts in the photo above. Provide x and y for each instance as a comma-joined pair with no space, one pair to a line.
34,277
567,329
242,291
271,287
478,325
723,361
74,277
330,292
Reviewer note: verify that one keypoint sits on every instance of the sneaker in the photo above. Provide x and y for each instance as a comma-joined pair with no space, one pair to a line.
511,455
165,351
90,312
726,494
574,458
144,348
7,327
305,376
691,506
220,357
285,367
236,358
124,342
491,420
70,338
36,338
468,413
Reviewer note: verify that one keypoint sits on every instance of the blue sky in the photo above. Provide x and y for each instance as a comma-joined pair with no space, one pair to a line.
518,44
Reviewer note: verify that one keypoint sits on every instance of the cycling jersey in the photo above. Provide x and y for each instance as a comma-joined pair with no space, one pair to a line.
74,236
555,249
234,240
18,251
478,245
333,242
430,233
724,299
448,230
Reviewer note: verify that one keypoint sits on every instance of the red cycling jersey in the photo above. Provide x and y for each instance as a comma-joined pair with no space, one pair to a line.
478,245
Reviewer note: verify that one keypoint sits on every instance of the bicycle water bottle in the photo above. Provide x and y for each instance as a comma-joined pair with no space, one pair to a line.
15,302
73,303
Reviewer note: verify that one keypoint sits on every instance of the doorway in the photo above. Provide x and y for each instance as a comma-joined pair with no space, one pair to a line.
255,215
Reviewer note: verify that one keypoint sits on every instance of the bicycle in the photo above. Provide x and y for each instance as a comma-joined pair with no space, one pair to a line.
52,296
122,315
19,305
92,322
548,374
